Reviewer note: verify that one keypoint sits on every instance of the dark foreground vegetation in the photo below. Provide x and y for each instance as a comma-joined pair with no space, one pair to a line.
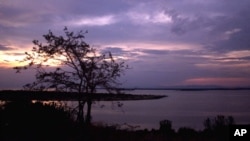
38,122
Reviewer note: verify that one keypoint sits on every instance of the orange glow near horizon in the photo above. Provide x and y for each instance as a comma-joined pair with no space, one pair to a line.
237,81
10,59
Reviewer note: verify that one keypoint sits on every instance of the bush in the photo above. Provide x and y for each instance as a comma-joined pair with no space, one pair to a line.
166,127
218,127
34,121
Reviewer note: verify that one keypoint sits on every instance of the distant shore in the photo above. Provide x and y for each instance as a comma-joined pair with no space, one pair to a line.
190,88
17,95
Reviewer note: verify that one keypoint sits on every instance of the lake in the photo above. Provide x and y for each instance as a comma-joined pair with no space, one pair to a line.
183,108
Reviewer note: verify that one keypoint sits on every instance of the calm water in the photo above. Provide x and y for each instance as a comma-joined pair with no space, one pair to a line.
183,108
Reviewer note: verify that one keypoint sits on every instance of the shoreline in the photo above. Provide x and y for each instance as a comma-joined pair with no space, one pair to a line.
19,95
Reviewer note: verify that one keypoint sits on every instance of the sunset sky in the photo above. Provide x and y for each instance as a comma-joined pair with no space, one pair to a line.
165,42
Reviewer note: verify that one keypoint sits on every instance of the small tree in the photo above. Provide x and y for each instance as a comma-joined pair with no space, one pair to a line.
166,127
218,126
68,63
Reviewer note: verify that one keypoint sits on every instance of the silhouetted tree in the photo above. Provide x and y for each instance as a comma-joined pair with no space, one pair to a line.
166,127
218,127
68,63
218,122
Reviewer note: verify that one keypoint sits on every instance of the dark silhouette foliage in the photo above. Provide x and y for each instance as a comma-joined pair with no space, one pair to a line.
166,127
218,127
34,121
67,63
187,133
218,122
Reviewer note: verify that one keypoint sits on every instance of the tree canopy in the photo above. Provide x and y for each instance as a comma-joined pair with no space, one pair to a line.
68,63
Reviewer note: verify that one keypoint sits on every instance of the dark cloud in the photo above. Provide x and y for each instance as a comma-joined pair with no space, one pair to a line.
114,49
228,38
245,58
4,47
207,22
117,51
234,58
182,25
155,52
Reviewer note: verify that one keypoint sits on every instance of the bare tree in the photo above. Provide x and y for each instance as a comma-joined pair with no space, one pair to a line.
68,63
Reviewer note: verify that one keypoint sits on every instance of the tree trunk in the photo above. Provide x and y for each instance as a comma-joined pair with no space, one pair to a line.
80,114
88,116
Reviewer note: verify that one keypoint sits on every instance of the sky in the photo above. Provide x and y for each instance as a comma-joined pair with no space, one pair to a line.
166,43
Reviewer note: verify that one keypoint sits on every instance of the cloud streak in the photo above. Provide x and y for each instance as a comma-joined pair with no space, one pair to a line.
4,47
94,21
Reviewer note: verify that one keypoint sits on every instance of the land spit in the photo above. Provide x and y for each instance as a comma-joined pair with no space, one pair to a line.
18,95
